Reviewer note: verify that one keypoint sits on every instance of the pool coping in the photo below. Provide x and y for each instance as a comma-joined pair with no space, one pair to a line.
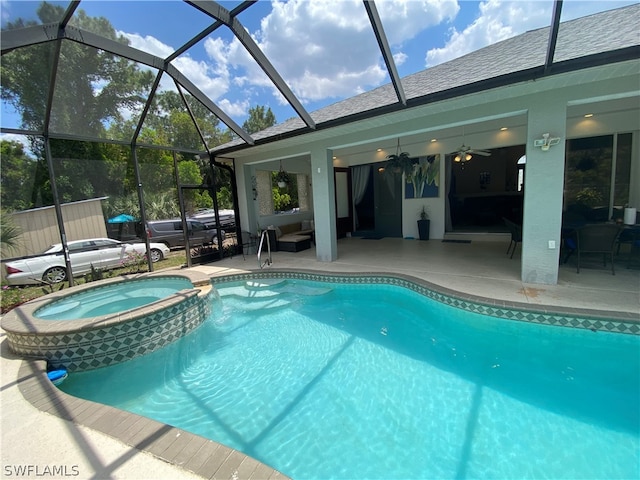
210,459
561,316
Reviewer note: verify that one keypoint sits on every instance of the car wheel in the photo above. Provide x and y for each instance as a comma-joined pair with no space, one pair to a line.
214,239
156,255
55,275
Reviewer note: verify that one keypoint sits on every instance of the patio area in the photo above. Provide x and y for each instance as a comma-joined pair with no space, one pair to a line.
481,267
33,438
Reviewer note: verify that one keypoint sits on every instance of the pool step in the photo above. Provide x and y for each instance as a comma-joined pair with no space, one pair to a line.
263,304
264,289
282,285
242,291
304,290
264,283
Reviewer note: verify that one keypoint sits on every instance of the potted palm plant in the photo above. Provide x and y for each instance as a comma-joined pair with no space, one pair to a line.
424,224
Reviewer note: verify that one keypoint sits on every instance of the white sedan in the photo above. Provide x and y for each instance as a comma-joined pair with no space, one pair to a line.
99,253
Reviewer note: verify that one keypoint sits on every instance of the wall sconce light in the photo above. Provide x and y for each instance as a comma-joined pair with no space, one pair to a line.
546,141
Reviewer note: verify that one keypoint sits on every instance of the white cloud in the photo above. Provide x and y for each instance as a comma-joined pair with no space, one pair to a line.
399,58
403,20
327,49
234,109
497,21
148,44
211,78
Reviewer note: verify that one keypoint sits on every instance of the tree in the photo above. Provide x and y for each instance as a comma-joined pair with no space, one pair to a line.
78,106
16,176
259,119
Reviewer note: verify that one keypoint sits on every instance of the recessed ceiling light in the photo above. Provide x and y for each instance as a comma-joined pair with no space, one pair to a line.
588,115
434,140
503,129
379,150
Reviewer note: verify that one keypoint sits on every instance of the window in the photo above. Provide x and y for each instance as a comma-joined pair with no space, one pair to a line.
293,197
597,177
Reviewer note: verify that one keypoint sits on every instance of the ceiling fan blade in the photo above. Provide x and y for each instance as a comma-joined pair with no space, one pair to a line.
482,153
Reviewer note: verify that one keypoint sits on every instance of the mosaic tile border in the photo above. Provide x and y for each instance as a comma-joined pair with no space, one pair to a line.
86,344
594,320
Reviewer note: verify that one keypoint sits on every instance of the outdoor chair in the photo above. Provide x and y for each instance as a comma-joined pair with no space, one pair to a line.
597,238
247,240
516,235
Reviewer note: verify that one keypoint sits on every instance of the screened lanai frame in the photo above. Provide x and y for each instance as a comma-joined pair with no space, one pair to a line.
55,36
220,16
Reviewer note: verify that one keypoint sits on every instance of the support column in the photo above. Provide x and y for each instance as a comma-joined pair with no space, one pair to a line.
324,205
543,192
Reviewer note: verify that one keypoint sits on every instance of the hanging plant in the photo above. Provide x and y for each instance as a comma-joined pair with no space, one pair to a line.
400,162
282,177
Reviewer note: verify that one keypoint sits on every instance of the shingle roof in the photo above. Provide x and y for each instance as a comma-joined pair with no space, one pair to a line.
595,34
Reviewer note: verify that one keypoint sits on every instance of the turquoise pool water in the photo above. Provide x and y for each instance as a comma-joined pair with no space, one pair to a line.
112,298
328,381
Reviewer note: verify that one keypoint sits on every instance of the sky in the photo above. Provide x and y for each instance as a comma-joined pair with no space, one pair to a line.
325,50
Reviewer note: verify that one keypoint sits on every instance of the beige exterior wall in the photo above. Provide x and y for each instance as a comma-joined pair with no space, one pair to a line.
39,226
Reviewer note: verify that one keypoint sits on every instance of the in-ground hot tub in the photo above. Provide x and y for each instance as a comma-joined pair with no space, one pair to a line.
112,298
130,320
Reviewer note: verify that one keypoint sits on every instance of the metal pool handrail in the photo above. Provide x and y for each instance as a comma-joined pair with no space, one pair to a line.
268,261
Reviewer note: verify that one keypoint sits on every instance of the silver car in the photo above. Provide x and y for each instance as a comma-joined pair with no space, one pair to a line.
99,253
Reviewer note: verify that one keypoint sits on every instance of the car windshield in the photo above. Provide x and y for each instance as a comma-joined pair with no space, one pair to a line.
53,249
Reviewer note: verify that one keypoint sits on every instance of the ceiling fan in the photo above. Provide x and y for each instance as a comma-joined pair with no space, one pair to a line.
465,153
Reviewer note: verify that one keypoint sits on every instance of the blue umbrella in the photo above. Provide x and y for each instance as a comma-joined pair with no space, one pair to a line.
122,218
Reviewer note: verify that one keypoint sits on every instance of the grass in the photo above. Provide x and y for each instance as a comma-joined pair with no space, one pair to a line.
11,297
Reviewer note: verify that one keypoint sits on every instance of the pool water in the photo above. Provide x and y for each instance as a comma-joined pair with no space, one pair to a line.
112,298
335,381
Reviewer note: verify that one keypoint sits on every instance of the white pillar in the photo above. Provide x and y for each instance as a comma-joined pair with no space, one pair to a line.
543,192
324,205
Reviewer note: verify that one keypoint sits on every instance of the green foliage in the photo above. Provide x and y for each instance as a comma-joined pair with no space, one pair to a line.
16,176
590,197
13,296
281,201
285,198
9,233
399,163
92,169
161,205
77,106
281,176
259,119
134,262
189,173
116,205
225,198
94,275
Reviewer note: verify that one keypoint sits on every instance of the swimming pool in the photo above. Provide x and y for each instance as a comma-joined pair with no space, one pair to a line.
112,298
328,380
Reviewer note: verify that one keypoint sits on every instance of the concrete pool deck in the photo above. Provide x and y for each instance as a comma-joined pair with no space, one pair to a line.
35,440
